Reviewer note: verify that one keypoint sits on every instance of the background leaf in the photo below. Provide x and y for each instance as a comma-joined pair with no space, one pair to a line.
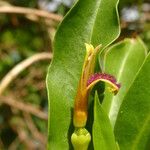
90,21
103,137
122,60
132,128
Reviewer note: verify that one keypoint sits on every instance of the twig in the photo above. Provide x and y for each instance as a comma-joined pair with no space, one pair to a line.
36,134
23,137
23,10
14,144
1,143
23,107
12,74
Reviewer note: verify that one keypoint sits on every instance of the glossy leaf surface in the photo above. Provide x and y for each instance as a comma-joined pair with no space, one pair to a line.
90,21
123,60
103,137
132,127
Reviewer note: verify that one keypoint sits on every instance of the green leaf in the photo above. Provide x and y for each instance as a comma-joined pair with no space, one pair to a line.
123,60
103,137
132,129
90,21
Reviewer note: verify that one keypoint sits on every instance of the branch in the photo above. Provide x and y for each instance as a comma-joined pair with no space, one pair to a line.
23,10
24,138
14,144
1,143
23,107
12,74
34,131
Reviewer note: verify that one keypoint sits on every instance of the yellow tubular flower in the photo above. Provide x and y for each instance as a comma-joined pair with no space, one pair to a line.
81,137
87,81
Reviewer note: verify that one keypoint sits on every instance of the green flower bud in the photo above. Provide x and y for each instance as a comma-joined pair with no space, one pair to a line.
80,139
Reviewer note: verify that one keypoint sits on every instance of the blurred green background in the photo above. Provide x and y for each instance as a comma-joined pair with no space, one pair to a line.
22,36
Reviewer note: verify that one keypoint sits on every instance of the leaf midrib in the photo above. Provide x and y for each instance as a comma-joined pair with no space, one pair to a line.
118,78
95,21
140,133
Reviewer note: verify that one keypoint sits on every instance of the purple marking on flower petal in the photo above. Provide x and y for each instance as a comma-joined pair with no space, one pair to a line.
105,76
